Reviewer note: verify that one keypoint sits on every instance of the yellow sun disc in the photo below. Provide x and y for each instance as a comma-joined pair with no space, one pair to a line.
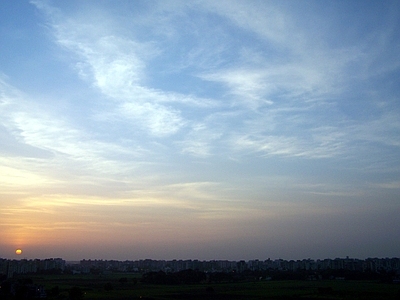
18,251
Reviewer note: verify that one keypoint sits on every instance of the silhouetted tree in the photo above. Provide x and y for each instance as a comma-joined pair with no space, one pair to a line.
75,293
5,289
55,291
21,292
123,280
190,276
108,287
95,271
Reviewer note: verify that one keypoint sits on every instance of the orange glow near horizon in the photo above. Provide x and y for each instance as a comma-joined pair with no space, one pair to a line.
18,251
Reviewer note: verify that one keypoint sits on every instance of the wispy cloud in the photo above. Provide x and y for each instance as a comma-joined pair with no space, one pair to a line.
389,185
58,141
116,65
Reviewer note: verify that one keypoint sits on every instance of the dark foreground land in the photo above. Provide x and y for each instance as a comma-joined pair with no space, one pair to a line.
130,286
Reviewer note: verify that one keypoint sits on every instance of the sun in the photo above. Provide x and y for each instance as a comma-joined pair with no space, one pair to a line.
18,251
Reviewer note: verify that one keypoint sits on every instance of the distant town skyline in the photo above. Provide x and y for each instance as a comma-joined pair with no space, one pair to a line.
235,129
25,266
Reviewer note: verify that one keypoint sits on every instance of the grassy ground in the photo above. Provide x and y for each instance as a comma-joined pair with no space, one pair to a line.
112,287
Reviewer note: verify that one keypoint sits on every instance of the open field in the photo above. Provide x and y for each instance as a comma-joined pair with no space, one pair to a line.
128,286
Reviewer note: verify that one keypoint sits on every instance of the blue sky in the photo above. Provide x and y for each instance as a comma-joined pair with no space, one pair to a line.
200,129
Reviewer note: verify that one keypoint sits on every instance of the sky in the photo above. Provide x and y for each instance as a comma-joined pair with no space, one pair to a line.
199,129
